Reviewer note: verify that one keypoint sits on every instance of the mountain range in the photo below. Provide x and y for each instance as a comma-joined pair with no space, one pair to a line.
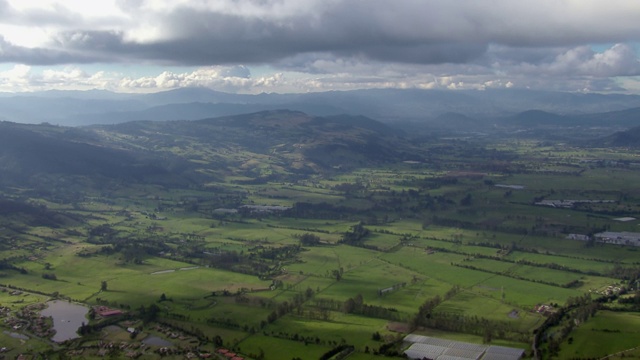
76,108
273,145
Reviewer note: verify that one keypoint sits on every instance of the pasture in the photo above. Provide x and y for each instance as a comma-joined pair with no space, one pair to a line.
432,231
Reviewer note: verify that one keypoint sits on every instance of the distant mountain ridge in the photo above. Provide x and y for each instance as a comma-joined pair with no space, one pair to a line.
628,138
76,108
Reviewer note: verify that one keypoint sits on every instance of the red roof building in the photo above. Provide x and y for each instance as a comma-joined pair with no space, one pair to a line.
106,311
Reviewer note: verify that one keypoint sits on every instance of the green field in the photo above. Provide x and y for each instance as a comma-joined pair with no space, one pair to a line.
606,334
385,242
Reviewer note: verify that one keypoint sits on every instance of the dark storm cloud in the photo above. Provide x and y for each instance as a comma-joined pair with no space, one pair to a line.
304,45
40,56
407,31
542,35
201,38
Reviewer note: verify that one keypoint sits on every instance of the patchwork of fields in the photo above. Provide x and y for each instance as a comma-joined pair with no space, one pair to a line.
356,260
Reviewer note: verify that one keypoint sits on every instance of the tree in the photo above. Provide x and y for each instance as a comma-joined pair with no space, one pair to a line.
308,293
49,276
103,285
349,306
149,314
488,335
308,239
337,274
358,301
355,235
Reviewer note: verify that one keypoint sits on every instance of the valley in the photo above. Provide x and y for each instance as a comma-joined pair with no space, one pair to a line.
282,235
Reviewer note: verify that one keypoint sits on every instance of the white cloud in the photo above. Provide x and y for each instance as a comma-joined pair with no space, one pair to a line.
233,79
66,76
619,60
16,79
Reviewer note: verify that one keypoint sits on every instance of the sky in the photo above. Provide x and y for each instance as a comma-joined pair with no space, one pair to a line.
285,46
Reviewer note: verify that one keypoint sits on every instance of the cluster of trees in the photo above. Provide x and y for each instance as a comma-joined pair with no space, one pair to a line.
629,274
5,264
133,249
95,327
49,276
425,312
149,313
428,316
308,239
380,312
488,329
576,311
286,307
632,301
339,352
355,236
286,252
300,338
355,305
239,262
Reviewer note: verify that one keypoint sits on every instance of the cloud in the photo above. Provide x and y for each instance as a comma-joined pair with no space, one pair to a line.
16,79
577,63
329,74
327,44
10,53
619,60
232,79
208,32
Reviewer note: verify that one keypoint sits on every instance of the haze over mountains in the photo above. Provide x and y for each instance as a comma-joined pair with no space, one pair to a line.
255,147
77,108
274,145
135,137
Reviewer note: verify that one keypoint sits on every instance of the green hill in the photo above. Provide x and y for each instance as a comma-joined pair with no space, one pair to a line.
264,145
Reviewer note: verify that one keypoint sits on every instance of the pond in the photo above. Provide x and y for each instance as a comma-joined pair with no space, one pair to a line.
156,341
16,335
67,318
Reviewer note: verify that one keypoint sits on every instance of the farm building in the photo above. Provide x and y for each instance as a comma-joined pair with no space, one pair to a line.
441,349
579,237
107,311
618,238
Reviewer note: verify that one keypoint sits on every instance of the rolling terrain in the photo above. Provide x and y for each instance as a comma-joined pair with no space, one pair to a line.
320,235
291,143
